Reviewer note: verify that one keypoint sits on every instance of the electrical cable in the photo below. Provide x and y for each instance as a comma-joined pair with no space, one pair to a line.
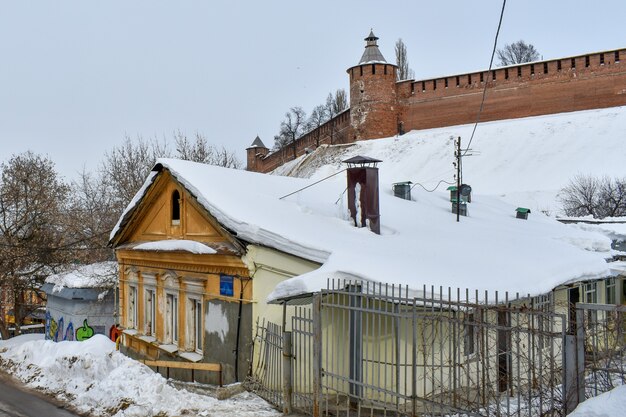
482,102
311,185
436,186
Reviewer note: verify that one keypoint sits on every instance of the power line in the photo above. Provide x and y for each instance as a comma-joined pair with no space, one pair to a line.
482,102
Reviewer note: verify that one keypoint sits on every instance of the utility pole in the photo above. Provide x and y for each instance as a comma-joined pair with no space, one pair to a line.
458,156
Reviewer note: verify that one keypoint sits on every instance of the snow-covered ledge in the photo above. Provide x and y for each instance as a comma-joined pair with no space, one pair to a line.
191,356
169,348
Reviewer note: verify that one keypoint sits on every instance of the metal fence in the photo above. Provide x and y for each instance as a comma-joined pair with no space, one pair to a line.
602,337
372,349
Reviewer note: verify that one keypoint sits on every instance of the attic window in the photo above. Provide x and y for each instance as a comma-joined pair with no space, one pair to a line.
175,207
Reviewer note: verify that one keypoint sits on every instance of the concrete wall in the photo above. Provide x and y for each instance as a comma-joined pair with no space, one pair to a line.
74,319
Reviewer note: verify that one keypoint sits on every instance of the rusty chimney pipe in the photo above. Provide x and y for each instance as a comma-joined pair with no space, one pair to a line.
363,192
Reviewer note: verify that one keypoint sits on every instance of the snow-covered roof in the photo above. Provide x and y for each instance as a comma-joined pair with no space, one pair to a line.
98,275
420,242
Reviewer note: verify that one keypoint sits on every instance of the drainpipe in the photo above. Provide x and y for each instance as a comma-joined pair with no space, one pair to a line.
238,329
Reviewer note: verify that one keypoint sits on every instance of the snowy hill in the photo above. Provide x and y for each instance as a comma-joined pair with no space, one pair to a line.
523,161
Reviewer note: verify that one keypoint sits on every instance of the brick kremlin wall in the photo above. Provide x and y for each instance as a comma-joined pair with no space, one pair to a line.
380,107
569,84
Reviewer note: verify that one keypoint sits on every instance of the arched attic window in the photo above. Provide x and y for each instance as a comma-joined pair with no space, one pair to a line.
175,207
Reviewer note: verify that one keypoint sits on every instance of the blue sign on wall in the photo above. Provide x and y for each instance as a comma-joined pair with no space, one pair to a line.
226,285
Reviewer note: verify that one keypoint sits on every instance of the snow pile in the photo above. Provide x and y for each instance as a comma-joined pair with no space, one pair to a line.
98,275
96,380
176,245
608,404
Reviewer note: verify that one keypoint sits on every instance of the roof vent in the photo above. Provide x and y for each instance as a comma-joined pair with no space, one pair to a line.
522,213
363,192
402,189
466,193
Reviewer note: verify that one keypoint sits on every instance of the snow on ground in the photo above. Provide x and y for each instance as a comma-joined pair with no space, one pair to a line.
98,275
97,380
608,404
515,163
524,161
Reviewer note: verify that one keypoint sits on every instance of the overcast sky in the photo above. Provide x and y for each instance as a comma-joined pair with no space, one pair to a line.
77,76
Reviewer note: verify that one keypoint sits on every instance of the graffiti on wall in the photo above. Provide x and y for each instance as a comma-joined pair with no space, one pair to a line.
85,332
57,331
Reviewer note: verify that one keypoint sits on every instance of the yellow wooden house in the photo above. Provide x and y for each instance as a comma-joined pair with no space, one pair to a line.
189,288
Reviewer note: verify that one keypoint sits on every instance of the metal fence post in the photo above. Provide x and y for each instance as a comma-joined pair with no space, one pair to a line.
287,380
317,354
574,351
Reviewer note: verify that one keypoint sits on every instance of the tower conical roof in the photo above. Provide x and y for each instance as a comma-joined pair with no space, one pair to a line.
372,53
258,143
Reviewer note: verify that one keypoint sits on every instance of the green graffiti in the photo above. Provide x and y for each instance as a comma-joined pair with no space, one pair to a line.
84,332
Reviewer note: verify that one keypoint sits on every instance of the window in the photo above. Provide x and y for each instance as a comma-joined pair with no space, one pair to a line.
385,70
587,61
519,71
458,81
532,69
482,77
601,59
573,63
590,294
150,312
434,84
175,207
506,73
446,83
559,66
616,56
171,318
194,320
543,306
361,70
493,75
545,67
132,307
469,79
423,86
373,68
469,335
610,291
412,88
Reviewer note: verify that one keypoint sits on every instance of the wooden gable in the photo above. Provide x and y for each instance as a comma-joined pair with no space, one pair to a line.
155,217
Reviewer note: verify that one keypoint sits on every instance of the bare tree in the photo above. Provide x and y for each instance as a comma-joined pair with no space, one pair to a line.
32,205
93,212
200,150
126,167
586,195
402,61
291,128
340,101
334,105
317,119
517,53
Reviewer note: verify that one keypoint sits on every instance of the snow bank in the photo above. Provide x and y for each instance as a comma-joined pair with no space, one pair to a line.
97,380
608,404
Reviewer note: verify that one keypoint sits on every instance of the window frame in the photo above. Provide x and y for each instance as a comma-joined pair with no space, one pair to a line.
470,337
149,312
171,334
133,313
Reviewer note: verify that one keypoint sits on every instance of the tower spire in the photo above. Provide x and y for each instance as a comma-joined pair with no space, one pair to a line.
372,53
